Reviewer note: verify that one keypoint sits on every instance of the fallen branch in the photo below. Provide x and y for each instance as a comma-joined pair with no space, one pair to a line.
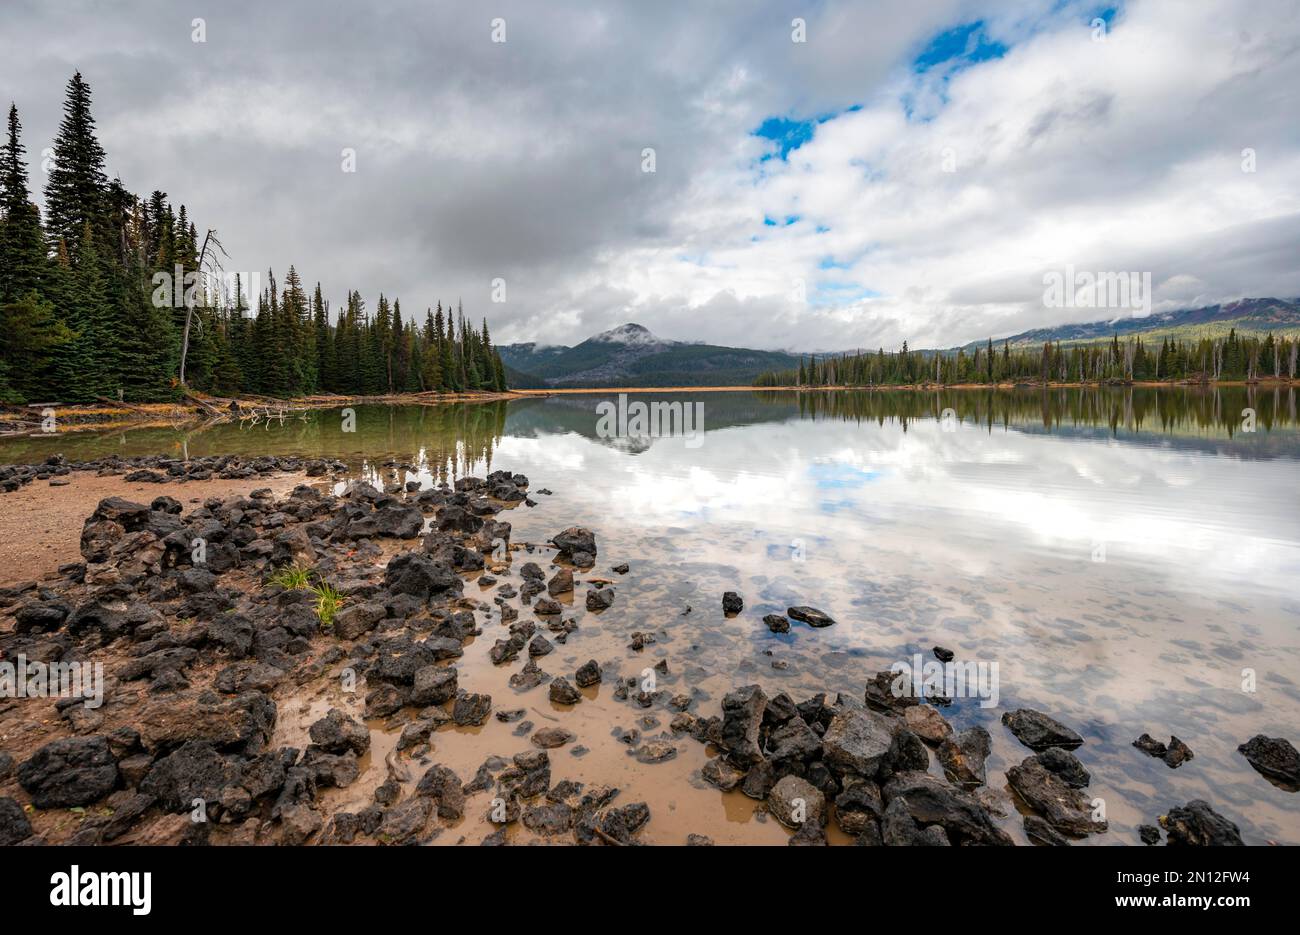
122,404
203,404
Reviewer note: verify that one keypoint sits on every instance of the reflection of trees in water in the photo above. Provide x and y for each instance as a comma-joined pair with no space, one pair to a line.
1185,410
447,441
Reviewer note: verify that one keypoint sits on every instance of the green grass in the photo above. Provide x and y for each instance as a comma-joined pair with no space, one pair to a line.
328,601
292,578
299,578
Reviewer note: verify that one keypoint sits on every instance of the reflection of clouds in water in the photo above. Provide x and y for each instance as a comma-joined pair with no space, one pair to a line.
836,475
1188,518
546,452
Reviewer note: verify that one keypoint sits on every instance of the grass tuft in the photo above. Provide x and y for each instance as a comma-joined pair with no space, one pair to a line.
328,601
292,578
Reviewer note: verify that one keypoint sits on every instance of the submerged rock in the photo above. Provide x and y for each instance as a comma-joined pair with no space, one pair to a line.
588,674
599,599
1063,806
963,756
1038,731
561,692
548,738
655,751
777,623
811,616
1043,834
718,772
1199,825
1174,755
1274,757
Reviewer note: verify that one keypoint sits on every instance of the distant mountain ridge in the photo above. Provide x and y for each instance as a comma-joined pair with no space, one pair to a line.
631,355
1246,315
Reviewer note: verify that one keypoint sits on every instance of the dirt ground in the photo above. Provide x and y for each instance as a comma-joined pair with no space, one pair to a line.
40,525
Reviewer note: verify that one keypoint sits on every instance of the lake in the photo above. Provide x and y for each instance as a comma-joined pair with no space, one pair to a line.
1128,558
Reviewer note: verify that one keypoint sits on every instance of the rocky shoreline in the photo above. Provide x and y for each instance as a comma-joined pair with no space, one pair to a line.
219,626
160,469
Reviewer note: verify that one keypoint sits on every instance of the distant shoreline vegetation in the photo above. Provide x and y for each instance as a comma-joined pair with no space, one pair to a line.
1231,359
111,297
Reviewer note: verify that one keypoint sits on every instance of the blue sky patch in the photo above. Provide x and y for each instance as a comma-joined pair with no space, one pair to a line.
826,293
789,134
963,46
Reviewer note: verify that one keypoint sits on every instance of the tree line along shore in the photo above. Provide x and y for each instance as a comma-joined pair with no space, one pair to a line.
113,297
1236,358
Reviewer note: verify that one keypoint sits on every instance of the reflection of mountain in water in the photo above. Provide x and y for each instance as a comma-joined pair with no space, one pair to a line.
580,414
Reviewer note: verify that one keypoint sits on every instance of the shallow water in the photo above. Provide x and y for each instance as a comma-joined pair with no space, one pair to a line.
1127,558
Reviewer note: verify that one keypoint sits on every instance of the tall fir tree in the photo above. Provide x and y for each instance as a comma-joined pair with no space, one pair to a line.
74,192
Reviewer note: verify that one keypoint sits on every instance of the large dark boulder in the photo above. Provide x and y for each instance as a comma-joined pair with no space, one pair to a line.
742,718
70,772
195,770
243,721
41,616
575,539
857,743
929,800
392,520
441,784
338,733
412,573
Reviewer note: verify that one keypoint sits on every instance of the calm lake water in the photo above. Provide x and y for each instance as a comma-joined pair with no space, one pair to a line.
1128,558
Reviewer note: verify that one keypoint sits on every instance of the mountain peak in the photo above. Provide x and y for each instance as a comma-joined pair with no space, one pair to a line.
631,334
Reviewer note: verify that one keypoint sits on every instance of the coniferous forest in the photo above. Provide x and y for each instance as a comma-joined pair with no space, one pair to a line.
1235,357
113,296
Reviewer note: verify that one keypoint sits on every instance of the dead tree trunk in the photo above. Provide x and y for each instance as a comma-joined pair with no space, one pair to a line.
208,238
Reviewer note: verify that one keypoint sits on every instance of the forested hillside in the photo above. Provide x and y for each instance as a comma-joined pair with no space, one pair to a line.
111,295
1233,357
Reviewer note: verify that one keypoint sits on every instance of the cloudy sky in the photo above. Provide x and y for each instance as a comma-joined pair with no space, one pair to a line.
910,170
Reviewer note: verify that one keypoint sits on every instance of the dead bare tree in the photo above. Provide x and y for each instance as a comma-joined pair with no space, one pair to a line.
209,240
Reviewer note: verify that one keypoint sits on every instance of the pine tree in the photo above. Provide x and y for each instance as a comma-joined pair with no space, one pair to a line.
22,252
75,190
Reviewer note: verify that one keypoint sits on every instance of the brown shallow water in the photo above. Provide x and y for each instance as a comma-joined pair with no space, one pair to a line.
1122,556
